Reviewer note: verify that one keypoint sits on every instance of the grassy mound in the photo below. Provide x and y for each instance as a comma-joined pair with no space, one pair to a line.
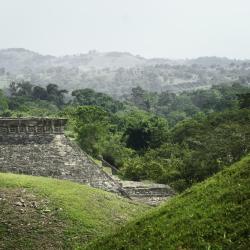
212,215
45,213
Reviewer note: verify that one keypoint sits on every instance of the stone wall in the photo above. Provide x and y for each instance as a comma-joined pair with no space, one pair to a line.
39,147
15,126
152,193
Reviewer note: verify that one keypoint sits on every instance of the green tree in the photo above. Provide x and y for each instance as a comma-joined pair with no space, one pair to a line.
55,94
91,125
3,102
90,97
145,131
244,100
39,93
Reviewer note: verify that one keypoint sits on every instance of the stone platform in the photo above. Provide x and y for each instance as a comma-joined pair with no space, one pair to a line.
149,193
38,146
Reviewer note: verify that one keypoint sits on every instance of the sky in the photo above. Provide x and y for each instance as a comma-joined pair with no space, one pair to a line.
150,28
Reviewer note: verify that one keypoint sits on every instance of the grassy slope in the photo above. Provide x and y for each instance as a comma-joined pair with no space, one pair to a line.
212,215
56,214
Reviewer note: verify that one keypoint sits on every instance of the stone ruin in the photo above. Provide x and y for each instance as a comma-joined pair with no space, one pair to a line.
38,146
149,193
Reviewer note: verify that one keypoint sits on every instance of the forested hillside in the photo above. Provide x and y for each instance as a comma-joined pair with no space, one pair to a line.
125,125
116,73
176,139
212,215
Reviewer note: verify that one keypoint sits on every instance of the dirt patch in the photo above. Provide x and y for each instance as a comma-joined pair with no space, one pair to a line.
29,222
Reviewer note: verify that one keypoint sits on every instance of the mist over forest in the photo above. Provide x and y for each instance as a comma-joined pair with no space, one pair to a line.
116,73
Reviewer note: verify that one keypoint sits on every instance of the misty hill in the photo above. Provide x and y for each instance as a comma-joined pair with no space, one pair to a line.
116,73
212,61
16,60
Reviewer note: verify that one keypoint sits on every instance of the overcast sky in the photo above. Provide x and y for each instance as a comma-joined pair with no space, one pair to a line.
151,28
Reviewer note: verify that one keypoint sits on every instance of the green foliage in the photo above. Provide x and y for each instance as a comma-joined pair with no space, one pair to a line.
141,146
177,107
21,92
91,127
163,165
39,93
215,141
244,100
115,152
143,99
209,131
23,88
199,143
3,102
55,94
211,215
197,148
92,98
133,169
145,131
22,107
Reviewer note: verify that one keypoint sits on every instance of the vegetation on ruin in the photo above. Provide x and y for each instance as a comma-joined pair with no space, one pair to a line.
45,213
212,215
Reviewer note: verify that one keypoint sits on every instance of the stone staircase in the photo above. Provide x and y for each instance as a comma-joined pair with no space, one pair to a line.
149,193
52,156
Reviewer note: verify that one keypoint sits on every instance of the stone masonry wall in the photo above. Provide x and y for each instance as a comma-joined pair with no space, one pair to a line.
35,152
150,193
